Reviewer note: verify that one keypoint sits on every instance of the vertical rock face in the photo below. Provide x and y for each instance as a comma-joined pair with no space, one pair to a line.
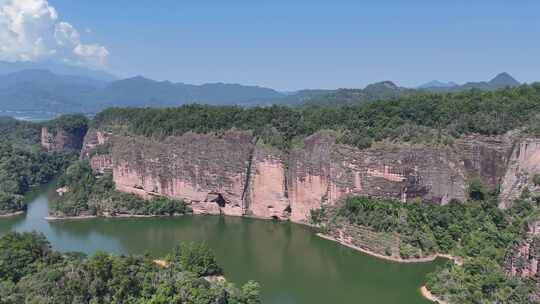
59,140
485,157
267,193
523,165
323,171
206,170
232,174
522,260
309,174
96,148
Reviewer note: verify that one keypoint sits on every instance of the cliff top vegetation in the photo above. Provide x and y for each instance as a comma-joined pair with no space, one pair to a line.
416,117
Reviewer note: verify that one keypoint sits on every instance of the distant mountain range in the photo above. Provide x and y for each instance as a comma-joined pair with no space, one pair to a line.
140,91
56,68
376,91
56,88
500,81
438,84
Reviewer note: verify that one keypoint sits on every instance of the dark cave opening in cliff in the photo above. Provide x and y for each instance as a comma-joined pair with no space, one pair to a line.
217,198
288,209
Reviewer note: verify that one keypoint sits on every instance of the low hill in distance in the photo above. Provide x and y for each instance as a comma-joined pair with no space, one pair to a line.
500,81
56,68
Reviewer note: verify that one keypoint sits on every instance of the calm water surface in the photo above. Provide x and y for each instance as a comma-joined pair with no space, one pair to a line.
292,264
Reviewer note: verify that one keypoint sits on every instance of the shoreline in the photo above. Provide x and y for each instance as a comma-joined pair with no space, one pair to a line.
429,296
85,217
79,217
12,214
425,293
377,255
426,259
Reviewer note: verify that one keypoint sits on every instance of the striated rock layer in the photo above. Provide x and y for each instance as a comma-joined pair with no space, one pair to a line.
523,165
233,174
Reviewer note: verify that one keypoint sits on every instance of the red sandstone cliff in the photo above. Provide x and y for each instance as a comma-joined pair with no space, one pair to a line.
524,163
522,261
56,139
232,173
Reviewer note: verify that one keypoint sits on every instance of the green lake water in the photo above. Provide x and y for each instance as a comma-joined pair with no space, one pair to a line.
290,262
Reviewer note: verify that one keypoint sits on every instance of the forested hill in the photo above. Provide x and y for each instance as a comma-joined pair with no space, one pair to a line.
500,81
372,92
426,117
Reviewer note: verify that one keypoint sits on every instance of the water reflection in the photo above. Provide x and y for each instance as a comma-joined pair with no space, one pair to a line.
292,264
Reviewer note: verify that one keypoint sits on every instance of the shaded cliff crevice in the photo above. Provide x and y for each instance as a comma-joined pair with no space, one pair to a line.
247,181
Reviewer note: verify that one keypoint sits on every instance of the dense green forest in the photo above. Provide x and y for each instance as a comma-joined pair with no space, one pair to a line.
418,117
89,194
31,272
74,124
476,230
20,133
23,164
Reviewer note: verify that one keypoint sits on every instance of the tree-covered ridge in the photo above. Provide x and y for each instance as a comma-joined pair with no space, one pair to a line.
19,133
75,124
31,272
412,117
476,231
90,195
342,97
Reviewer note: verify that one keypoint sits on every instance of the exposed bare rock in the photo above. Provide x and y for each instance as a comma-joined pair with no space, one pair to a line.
323,171
57,140
523,164
205,170
523,259
266,195
61,191
232,174
96,148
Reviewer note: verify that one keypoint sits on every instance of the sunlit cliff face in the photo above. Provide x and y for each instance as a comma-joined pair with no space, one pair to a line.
257,180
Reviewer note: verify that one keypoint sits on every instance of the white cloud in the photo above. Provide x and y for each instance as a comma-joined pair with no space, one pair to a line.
30,30
66,35
94,54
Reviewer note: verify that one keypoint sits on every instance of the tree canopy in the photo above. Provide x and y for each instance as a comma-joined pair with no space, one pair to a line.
420,116
31,272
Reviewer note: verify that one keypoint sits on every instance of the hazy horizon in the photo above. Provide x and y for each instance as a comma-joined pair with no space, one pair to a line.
280,45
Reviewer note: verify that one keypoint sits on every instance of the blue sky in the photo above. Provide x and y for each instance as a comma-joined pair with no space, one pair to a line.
290,45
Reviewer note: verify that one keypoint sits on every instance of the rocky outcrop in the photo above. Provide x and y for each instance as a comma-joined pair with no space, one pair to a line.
97,149
267,195
210,172
523,165
57,140
522,261
323,171
231,173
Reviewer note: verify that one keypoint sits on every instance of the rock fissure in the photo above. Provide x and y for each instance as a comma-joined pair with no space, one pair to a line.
245,202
